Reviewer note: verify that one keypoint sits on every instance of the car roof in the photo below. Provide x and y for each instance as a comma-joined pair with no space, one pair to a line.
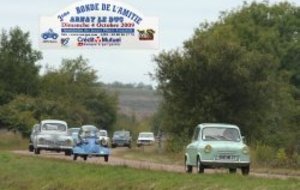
121,131
74,128
88,126
202,125
146,133
53,121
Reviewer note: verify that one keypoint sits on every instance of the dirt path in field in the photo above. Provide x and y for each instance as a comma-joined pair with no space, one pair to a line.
113,160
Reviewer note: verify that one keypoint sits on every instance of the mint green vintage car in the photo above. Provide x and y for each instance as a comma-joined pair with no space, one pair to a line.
217,145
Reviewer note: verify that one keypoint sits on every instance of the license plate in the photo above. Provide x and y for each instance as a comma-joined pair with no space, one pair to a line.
227,157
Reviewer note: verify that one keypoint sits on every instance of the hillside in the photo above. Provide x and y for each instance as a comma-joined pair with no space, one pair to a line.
142,102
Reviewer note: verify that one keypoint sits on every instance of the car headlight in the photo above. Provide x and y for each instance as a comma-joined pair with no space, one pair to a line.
245,150
104,142
207,148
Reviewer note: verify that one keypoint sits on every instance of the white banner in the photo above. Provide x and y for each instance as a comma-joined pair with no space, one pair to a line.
99,24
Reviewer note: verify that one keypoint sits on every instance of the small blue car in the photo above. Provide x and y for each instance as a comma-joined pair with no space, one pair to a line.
49,34
89,144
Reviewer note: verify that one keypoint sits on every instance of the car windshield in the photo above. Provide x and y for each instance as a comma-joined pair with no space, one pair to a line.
88,132
146,135
54,127
121,133
73,131
220,134
102,133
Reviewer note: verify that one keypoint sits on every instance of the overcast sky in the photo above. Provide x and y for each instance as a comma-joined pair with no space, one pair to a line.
177,21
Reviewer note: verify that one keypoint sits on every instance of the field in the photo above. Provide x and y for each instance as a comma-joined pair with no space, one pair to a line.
11,141
35,173
141,102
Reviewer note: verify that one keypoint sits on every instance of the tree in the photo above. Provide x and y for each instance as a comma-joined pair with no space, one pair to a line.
74,85
19,73
233,71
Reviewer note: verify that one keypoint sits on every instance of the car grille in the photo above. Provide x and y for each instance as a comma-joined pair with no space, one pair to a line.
56,143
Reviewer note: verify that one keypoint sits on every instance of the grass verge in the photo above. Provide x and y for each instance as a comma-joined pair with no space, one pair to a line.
36,173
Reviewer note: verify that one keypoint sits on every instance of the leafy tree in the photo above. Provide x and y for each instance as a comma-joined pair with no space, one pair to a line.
235,70
74,85
18,114
19,73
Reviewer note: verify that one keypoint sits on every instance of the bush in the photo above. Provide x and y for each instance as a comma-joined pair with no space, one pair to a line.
281,158
263,154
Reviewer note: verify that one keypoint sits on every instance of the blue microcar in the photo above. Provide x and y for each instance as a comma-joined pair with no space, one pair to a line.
89,144
49,34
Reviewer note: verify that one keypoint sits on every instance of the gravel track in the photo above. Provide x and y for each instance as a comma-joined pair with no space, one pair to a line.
116,161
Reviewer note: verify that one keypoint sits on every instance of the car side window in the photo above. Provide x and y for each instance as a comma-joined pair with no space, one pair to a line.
196,134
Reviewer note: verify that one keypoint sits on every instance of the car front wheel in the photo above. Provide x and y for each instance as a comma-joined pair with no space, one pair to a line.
68,152
37,151
106,158
30,148
75,157
232,170
188,168
200,168
85,157
245,170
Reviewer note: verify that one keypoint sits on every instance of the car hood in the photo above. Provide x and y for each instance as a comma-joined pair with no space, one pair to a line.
120,138
57,136
146,138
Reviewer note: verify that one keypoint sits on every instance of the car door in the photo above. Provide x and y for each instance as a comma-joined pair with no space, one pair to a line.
192,148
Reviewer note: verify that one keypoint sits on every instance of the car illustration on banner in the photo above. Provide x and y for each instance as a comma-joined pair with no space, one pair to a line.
49,34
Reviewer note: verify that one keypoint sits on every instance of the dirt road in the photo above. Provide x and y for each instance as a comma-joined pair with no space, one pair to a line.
113,160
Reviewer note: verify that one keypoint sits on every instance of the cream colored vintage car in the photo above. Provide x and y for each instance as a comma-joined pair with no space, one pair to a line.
51,135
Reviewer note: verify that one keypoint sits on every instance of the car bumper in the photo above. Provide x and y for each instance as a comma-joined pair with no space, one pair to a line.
224,163
48,147
145,143
120,143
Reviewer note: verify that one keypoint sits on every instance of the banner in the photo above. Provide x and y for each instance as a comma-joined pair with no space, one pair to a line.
99,24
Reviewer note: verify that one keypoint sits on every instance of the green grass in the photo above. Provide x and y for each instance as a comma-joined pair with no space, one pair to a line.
35,173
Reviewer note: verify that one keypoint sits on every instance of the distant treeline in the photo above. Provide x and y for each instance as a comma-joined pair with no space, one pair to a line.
129,85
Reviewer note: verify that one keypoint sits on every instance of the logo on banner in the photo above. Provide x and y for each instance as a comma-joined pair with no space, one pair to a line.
147,34
64,41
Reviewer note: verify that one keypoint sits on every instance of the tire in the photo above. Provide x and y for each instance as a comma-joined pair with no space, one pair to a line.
85,157
37,151
106,158
45,36
75,157
232,170
68,152
30,148
188,168
54,37
245,170
200,167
